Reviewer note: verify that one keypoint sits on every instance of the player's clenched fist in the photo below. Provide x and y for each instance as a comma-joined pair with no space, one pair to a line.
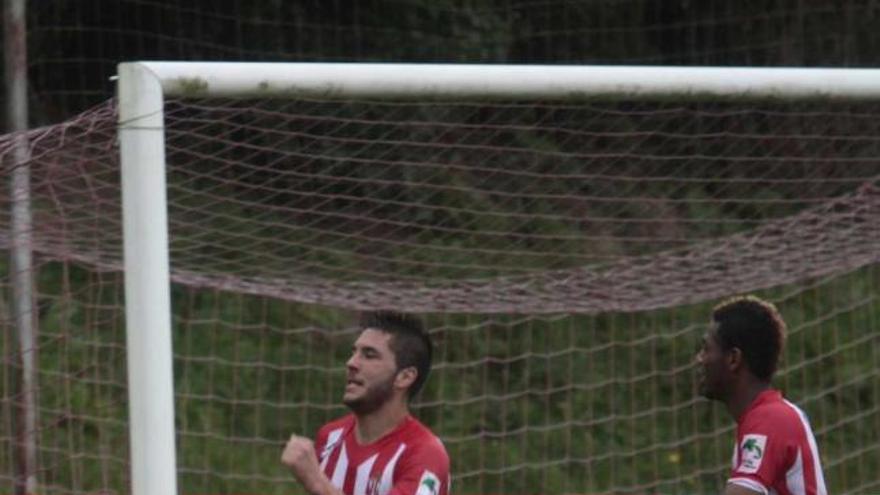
299,456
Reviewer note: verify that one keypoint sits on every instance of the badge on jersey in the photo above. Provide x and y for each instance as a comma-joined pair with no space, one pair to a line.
751,453
429,484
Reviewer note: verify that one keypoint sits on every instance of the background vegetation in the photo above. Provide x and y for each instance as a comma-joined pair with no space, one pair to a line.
551,403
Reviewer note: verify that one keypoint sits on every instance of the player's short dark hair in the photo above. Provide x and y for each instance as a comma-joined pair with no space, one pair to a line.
756,328
410,342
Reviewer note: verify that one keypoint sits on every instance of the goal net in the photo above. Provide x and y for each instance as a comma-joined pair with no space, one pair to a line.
564,256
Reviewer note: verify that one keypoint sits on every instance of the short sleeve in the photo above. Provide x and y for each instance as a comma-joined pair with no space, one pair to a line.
424,472
763,455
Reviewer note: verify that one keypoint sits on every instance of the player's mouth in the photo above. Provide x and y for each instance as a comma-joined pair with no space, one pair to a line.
352,382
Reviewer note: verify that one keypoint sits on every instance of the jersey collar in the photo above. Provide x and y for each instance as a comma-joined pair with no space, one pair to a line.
765,397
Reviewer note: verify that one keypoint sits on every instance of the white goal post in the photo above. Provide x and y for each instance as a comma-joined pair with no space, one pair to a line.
142,87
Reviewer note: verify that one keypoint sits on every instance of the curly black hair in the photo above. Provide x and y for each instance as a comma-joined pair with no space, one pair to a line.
756,328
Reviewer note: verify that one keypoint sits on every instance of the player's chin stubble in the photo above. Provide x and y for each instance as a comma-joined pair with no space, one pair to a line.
372,399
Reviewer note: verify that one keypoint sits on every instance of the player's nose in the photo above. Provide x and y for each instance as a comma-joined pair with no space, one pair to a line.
352,362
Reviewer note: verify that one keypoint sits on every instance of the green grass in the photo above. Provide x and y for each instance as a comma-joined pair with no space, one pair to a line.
550,404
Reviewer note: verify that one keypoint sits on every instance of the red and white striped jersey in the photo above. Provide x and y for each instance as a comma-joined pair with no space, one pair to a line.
775,451
410,460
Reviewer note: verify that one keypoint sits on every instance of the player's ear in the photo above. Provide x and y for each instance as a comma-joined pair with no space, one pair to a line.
734,359
406,377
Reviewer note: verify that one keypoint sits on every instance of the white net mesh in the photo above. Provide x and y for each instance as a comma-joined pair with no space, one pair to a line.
564,256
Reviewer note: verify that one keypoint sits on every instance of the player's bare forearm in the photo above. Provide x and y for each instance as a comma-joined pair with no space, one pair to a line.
321,486
299,455
734,489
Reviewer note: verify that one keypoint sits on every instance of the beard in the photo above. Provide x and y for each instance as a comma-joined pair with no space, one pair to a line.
373,398
705,391
711,386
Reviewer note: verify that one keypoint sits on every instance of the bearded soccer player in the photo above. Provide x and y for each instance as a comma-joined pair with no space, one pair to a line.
378,449
775,451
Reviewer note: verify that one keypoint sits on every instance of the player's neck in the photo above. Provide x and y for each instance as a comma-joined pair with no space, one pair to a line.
743,396
373,426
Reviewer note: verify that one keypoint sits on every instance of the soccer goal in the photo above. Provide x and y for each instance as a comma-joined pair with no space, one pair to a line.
537,199
563,231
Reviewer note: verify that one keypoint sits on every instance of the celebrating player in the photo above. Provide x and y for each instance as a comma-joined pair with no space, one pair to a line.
378,449
775,451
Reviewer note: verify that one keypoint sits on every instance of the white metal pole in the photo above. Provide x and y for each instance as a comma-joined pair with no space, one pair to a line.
147,289
558,82
22,276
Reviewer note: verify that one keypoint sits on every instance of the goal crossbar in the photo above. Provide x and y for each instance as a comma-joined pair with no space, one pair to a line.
485,81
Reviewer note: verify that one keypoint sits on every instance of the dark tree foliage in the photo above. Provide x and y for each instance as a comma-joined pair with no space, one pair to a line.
74,46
